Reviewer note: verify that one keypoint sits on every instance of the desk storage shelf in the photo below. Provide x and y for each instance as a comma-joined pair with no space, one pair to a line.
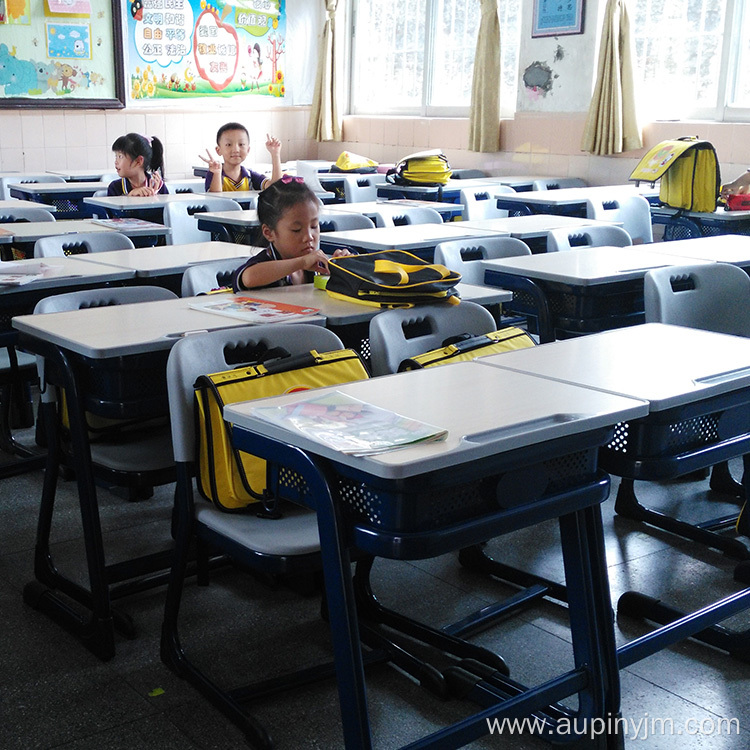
443,498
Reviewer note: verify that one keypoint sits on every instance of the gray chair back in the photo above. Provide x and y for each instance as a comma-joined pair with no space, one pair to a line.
341,222
463,255
396,335
593,236
24,213
204,277
711,296
179,216
62,245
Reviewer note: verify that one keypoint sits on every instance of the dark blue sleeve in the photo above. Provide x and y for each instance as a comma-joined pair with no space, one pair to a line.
256,179
115,187
261,257
207,183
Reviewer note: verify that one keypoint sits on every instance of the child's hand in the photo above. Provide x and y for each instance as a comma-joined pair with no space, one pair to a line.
142,191
214,165
341,252
273,144
316,261
155,182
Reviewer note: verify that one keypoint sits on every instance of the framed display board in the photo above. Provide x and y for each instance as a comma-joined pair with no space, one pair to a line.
182,49
61,53
557,17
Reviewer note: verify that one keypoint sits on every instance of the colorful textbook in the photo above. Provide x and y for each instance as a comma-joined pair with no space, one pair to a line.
349,425
253,310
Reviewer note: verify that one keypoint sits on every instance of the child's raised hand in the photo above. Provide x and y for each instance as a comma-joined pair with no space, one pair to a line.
273,144
214,165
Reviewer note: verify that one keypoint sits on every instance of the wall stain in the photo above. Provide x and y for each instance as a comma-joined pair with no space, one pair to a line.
559,53
538,77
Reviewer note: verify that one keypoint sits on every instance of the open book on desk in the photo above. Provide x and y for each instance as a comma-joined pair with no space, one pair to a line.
253,310
18,274
349,425
125,223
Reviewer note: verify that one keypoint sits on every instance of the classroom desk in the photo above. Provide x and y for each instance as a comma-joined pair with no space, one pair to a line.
722,248
241,227
126,205
533,229
165,265
26,233
567,201
419,239
69,197
64,275
697,384
587,289
680,224
400,519
82,175
120,348
12,203
397,207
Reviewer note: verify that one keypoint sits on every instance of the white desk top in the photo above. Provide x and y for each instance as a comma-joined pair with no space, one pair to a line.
727,217
568,196
12,203
536,225
119,330
340,312
403,237
169,259
461,398
665,365
391,207
246,218
62,271
132,202
81,174
724,248
34,188
587,266
30,231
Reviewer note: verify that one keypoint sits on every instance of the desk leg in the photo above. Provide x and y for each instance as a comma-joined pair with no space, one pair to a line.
95,629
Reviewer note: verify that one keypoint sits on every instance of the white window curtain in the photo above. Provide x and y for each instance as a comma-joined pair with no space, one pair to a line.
484,115
612,125
325,124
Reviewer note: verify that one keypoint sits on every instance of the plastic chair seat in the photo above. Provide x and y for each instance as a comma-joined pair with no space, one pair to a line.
295,534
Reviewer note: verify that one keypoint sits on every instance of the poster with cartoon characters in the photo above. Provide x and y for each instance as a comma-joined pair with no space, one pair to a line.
62,58
196,48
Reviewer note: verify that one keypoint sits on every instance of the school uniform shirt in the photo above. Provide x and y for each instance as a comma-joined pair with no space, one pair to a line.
248,180
270,253
123,186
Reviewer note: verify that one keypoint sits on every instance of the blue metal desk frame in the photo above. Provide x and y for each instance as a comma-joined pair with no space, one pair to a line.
69,204
595,677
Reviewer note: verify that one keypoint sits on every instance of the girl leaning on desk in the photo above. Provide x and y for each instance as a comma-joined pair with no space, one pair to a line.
288,212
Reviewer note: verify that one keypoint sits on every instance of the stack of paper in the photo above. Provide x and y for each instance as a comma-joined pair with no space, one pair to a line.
349,425
17,274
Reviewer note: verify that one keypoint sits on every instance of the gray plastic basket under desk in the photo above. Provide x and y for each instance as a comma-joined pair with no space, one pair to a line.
433,501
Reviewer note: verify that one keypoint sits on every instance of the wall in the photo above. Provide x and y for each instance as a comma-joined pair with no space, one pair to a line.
36,140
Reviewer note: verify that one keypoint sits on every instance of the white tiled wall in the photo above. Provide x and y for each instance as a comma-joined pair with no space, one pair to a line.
39,140
532,143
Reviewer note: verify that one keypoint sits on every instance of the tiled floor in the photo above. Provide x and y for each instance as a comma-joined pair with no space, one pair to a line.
55,694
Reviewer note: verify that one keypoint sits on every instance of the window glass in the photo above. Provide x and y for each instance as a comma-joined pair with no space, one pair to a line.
418,56
678,46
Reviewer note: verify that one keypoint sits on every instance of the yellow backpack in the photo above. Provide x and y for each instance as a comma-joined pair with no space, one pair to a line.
689,172
466,347
232,480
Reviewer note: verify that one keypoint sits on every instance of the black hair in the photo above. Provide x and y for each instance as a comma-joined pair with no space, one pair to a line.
279,196
134,145
231,126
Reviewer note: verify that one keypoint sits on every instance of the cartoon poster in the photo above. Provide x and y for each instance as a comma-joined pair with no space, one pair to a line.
68,40
56,60
76,7
18,12
188,48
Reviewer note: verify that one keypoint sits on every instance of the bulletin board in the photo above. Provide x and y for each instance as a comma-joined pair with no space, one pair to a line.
61,53
181,49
